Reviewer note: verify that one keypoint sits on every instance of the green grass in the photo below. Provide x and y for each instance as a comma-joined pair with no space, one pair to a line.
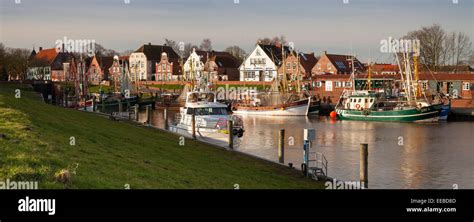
111,154
96,89
167,86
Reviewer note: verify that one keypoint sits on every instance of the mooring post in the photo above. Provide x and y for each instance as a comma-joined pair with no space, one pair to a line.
193,122
165,117
120,106
363,171
281,146
137,107
148,114
230,129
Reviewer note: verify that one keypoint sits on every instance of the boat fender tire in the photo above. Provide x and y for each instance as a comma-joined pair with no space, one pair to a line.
358,106
304,169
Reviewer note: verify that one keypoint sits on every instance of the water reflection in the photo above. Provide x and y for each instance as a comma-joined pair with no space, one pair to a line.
435,155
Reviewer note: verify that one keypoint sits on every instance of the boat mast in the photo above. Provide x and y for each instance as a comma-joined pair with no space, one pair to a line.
369,76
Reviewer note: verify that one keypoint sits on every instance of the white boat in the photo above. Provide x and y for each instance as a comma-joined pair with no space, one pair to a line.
298,108
211,118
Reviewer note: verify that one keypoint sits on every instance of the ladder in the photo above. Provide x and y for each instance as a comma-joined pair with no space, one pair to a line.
317,166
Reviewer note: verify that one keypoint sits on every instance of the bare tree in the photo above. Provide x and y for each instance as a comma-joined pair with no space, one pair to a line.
273,41
431,42
462,48
206,45
448,49
173,44
188,48
237,52
16,63
471,59
127,52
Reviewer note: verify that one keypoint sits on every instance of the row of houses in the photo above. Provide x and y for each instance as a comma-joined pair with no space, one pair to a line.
161,63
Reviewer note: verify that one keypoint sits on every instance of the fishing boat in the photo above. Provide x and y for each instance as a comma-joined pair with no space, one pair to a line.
211,118
371,105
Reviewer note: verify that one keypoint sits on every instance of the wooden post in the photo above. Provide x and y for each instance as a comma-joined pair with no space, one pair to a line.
193,122
137,107
281,146
120,106
148,114
230,128
165,117
363,171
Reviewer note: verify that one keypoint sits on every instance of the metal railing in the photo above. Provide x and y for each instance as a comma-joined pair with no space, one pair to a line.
318,162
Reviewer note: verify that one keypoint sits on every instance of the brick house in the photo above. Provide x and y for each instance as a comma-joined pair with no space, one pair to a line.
336,64
143,61
306,63
220,66
99,69
164,69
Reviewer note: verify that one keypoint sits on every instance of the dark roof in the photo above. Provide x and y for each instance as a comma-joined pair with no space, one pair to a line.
153,52
105,62
222,59
343,63
308,61
62,57
274,52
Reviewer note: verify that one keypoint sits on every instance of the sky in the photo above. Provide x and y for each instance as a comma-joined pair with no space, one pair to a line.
357,27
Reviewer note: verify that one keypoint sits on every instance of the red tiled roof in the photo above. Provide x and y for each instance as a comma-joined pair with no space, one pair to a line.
46,55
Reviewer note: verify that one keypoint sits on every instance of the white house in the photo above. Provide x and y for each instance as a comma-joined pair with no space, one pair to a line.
138,66
143,60
262,64
193,66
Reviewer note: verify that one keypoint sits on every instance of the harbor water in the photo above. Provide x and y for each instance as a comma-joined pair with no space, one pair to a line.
401,155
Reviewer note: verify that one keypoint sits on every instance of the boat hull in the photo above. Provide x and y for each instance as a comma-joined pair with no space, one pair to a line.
214,136
301,109
425,114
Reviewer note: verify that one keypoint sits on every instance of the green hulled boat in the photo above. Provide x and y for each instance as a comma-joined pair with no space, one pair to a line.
372,106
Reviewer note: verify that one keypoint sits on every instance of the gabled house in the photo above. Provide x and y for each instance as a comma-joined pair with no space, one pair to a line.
219,66
193,67
295,70
164,69
336,64
49,64
262,63
143,61
99,69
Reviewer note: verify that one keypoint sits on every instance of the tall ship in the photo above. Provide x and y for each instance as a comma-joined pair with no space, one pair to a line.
409,104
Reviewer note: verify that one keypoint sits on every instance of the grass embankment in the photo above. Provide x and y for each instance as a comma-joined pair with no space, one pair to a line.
35,144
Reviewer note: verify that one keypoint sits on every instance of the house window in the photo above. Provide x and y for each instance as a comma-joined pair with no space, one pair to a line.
318,84
328,66
348,84
424,85
338,84
318,66
466,86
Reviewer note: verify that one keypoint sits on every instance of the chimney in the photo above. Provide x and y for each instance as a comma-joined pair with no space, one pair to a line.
149,43
325,52
40,48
